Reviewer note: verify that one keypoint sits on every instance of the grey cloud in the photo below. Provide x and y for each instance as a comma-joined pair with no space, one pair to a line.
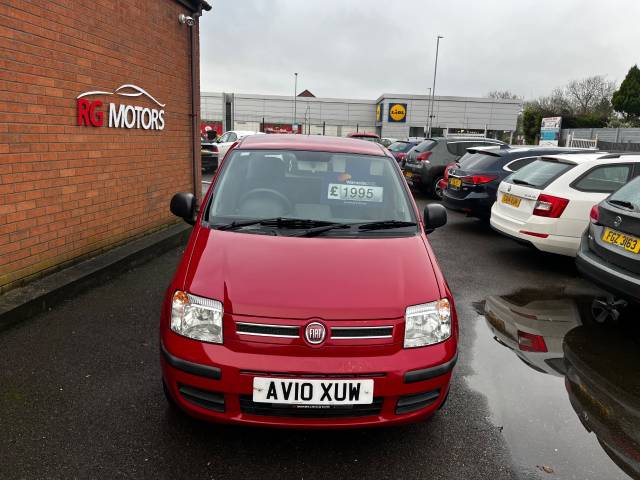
362,48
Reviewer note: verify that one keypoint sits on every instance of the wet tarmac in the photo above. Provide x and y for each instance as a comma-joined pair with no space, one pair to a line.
564,388
541,391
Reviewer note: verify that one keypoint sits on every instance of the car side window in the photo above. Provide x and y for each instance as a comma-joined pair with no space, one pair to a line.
518,164
604,179
232,137
223,138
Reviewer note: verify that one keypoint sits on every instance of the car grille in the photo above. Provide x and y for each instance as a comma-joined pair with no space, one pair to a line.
293,331
264,330
361,332
247,405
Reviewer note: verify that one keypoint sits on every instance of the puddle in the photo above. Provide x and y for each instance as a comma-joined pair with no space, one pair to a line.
563,388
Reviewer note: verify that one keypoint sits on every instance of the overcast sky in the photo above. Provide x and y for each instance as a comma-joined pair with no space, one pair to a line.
363,48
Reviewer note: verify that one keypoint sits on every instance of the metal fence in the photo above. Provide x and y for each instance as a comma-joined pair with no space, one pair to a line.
614,135
618,147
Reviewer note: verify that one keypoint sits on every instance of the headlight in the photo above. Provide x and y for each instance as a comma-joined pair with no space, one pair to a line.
196,317
427,324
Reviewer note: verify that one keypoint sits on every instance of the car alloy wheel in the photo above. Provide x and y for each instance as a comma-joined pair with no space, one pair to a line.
437,191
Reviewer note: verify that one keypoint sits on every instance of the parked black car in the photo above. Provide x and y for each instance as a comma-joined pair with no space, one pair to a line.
609,253
426,162
208,157
401,148
472,187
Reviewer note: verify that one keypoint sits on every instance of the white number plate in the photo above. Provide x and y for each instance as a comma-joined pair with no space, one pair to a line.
359,193
312,392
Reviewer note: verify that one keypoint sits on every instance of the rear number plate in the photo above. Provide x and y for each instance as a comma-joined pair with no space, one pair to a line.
629,243
455,183
511,200
312,392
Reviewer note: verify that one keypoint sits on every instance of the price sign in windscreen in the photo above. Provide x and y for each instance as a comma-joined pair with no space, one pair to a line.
355,193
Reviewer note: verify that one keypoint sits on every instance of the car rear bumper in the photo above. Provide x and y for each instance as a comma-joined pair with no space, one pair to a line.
209,162
610,277
216,384
476,204
561,245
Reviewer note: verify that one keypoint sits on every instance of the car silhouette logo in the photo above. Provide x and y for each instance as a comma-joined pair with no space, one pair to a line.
617,221
315,333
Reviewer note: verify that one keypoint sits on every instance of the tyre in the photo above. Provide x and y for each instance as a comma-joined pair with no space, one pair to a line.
436,191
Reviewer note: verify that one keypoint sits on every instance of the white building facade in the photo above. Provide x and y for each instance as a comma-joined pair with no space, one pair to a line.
390,115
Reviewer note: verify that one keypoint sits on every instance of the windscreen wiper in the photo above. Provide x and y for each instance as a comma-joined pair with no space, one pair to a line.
386,224
623,203
312,232
278,222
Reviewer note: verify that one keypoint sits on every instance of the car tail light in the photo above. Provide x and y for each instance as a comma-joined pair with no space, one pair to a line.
594,215
528,342
402,156
550,206
446,170
424,156
479,179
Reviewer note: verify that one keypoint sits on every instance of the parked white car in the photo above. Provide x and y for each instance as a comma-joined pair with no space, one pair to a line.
227,139
547,203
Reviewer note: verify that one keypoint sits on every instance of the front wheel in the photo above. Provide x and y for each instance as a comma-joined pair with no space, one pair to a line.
436,189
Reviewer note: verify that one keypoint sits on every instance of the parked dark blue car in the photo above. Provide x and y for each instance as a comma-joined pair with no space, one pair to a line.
472,187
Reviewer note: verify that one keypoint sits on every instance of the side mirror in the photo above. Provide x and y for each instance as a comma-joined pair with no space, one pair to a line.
183,205
435,216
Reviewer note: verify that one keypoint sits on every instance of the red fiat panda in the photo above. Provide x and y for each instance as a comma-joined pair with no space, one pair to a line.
308,295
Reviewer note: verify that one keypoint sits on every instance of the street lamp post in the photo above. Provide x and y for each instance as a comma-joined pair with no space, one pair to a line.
426,125
433,89
295,96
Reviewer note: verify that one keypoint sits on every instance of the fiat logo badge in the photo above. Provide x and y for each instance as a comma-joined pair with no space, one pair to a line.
315,333
617,221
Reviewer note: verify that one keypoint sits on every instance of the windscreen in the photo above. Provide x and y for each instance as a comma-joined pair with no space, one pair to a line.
539,173
321,186
400,147
426,145
628,193
481,162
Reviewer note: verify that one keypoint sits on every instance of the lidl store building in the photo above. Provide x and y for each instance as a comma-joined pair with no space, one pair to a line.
390,115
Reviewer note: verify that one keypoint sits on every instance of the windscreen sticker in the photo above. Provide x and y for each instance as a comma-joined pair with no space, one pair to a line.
354,191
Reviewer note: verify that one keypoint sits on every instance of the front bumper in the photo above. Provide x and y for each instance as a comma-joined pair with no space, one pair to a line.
606,275
214,383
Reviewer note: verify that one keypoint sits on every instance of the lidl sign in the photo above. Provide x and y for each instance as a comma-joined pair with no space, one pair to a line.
379,110
397,112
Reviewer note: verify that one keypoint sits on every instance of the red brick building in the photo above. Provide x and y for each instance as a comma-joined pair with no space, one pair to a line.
98,126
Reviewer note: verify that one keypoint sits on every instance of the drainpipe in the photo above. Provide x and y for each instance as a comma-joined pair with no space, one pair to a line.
195,85
194,112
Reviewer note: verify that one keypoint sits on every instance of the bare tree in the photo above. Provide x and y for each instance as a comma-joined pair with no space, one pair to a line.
502,95
590,95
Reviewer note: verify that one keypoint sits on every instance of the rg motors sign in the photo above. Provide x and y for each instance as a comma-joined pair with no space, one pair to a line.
93,112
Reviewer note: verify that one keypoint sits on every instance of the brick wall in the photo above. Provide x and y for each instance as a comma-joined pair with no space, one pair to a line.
68,191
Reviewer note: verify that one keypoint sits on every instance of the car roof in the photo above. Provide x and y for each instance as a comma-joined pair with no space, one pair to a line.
501,151
363,134
582,158
318,143
246,132
466,139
